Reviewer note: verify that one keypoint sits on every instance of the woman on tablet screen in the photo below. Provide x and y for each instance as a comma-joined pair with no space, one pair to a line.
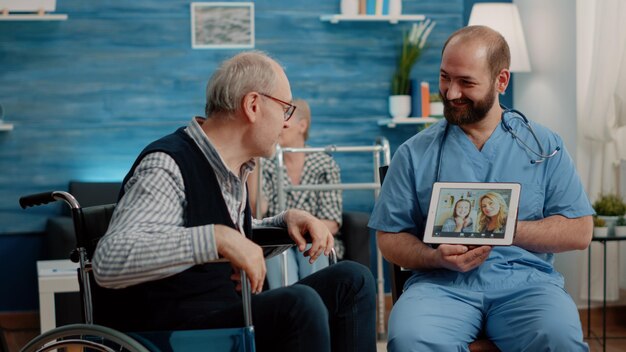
493,213
460,221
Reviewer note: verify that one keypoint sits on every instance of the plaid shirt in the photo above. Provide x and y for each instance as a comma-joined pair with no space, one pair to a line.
319,168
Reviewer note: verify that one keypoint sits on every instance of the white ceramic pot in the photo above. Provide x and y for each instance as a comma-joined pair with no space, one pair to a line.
399,106
620,231
436,108
610,223
601,232
349,7
395,7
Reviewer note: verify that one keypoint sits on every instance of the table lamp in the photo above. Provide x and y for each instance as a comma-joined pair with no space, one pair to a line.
504,18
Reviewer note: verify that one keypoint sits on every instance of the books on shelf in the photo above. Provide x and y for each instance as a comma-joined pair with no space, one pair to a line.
377,7
425,93
416,98
362,7
420,98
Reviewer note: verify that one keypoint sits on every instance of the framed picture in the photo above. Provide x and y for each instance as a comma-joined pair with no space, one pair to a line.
222,25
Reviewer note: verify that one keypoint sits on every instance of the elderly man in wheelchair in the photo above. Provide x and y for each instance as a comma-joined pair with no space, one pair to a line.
179,240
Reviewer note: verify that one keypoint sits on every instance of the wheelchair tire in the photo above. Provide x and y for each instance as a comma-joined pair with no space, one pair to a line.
83,337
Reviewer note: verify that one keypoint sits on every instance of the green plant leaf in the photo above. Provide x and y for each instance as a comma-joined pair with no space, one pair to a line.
609,205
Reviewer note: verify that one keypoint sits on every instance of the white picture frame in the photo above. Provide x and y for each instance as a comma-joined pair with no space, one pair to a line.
222,25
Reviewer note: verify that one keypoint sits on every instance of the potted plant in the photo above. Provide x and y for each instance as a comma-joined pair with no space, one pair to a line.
413,43
620,226
609,207
599,227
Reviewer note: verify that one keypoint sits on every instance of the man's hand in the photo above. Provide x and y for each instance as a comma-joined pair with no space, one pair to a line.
299,223
243,254
461,258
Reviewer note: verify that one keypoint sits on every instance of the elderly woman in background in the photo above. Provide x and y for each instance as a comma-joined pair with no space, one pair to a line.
299,169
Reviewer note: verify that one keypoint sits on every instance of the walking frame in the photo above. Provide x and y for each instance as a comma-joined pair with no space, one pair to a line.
381,146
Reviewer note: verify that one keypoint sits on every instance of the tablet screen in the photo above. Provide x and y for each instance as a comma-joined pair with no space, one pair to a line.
472,213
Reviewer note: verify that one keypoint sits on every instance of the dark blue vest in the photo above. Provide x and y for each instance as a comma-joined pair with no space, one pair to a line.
168,303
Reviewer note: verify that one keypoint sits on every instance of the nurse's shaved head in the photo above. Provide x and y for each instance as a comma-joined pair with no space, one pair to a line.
498,53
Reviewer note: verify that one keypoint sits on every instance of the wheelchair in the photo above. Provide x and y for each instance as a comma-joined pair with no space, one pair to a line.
90,224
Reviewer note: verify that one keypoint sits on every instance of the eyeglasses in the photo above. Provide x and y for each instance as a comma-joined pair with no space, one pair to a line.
288,109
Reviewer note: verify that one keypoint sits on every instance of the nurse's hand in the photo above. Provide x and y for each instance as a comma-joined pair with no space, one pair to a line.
461,258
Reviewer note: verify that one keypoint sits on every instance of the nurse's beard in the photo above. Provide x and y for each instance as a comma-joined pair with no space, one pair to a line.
473,112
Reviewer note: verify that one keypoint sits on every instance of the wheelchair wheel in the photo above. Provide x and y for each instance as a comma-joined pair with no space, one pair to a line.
83,337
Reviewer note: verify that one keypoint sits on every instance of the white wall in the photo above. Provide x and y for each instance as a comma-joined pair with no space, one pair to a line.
548,93
585,23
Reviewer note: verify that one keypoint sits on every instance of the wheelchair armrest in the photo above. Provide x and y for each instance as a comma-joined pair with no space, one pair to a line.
273,240
270,236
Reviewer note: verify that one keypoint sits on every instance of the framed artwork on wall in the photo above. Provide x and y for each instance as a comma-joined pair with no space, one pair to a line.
222,25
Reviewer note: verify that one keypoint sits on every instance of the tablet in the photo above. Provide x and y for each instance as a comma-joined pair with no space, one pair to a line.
472,213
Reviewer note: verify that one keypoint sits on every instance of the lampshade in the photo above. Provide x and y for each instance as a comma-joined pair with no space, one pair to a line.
504,18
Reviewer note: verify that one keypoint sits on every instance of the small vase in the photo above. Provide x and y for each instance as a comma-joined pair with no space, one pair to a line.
601,232
620,231
395,7
610,223
399,106
349,7
436,108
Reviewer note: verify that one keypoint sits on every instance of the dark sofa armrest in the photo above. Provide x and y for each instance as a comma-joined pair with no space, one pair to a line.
60,238
356,236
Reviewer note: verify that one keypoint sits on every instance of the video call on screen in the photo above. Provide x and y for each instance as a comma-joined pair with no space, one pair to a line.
472,213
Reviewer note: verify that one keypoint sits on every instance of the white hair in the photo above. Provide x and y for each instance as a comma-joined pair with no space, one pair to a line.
243,73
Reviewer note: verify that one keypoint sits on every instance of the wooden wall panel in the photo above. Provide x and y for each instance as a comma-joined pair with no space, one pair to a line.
86,94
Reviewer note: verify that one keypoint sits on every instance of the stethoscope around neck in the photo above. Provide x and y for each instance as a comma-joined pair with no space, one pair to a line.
515,114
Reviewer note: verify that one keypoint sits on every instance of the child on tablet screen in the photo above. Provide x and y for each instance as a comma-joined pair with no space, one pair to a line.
460,221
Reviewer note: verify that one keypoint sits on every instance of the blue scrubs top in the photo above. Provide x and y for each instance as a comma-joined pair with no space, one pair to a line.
548,188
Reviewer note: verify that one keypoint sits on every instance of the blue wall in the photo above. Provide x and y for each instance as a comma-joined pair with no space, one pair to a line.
88,93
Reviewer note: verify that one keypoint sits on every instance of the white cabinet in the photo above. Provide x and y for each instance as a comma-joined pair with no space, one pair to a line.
54,276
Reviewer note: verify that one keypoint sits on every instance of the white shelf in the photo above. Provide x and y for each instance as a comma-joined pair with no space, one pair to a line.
33,17
380,18
391,123
5,127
